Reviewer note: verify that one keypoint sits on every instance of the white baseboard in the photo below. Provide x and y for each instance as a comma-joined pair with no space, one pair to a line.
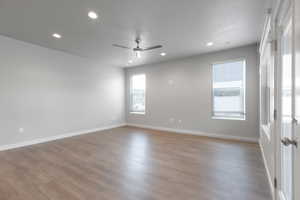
57,137
267,170
66,135
192,132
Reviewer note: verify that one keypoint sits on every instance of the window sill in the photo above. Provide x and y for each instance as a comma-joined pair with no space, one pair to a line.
137,113
229,118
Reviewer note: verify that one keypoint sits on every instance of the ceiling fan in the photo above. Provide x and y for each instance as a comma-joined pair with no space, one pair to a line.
138,49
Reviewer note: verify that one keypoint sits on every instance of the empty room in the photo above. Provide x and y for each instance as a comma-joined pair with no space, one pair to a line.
149,100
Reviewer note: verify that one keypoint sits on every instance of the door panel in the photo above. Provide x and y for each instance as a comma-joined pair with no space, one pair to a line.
297,99
286,131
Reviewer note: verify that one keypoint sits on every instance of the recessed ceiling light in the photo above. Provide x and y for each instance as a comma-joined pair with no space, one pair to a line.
130,61
56,35
163,54
209,44
93,15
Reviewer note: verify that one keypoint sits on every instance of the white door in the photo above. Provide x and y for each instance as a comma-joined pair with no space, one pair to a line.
297,99
289,128
286,110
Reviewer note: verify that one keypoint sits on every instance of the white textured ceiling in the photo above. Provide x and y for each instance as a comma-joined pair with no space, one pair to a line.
183,27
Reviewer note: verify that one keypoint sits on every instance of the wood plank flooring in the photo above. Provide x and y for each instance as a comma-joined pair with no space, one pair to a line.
134,164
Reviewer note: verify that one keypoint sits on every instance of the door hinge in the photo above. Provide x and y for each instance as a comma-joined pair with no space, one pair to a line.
275,115
269,11
295,121
275,183
275,45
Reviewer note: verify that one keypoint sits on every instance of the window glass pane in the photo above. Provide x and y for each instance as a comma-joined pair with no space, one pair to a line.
267,85
137,93
229,90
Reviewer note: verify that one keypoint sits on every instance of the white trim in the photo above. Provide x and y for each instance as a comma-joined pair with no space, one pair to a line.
267,170
57,137
130,94
281,195
193,132
82,132
137,113
244,82
229,118
266,32
266,131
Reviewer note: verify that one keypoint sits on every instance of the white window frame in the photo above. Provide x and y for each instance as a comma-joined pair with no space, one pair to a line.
130,95
267,63
213,116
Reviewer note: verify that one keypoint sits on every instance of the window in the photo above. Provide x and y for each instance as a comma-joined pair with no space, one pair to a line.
266,71
137,93
229,90
266,84
266,92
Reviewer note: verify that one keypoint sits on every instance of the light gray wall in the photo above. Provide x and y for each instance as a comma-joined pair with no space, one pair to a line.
48,92
189,98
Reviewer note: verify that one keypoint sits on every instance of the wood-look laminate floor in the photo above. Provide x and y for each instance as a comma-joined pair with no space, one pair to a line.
134,164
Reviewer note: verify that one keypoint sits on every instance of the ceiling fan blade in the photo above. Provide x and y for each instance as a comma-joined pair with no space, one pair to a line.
153,47
121,46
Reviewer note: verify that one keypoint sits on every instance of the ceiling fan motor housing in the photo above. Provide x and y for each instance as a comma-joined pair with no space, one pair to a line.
138,49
